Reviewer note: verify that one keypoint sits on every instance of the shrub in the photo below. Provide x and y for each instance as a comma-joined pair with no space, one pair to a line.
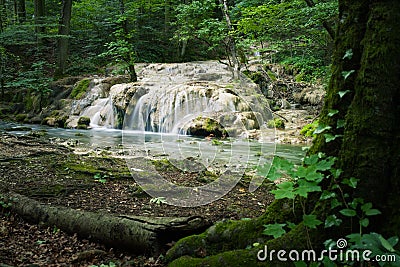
277,123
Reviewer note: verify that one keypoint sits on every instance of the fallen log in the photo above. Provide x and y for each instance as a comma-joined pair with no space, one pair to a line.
141,235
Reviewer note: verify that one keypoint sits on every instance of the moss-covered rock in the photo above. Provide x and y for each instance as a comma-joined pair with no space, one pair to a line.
80,88
84,121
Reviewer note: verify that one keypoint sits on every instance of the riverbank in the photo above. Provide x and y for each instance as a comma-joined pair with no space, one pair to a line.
53,175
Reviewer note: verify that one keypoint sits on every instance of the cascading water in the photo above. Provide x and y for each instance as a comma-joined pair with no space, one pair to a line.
100,113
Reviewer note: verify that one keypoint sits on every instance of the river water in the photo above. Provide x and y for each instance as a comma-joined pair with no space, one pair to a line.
162,144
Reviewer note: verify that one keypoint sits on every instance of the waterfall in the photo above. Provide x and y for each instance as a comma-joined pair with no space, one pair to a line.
100,113
169,109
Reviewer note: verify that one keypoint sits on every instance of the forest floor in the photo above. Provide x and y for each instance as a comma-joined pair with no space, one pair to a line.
53,175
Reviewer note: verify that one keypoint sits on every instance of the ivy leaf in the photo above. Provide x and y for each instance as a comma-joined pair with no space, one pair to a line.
342,93
332,220
333,112
276,230
311,221
340,124
321,128
348,54
348,212
346,74
330,137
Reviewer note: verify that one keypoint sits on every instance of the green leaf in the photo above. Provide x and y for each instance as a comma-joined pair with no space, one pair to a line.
321,128
311,221
285,190
311,160
352,182
326,164
332,112
327,195
340,124
364,222
346,74
332,220
354,238
393,240
335,203
348,212
276,230
386,244
97,176
348,54
300,264
291,225
342,93
366,207
306,187
372,212
330,137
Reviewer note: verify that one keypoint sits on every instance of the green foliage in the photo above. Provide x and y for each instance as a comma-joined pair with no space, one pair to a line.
276,123
308,130
101,178
80,89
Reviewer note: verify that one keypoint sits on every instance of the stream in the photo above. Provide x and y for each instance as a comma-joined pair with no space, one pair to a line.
161,144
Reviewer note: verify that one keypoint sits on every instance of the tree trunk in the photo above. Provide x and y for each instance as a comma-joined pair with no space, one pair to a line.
231,40
39,13
21,11
130,58
366,72
3,15
370,148
63,41
134,233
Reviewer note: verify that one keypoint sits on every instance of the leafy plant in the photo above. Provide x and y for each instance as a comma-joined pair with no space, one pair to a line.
308,129
98,177
158,200
276,123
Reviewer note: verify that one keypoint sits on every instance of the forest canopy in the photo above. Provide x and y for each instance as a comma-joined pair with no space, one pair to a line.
87,37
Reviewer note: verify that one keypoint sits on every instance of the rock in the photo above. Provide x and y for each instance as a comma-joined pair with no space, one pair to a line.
84,121
313,96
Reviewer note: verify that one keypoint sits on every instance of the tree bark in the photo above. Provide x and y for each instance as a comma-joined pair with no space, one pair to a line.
39,13
3,15
231,40
130,58
63,41
20,10
141,235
